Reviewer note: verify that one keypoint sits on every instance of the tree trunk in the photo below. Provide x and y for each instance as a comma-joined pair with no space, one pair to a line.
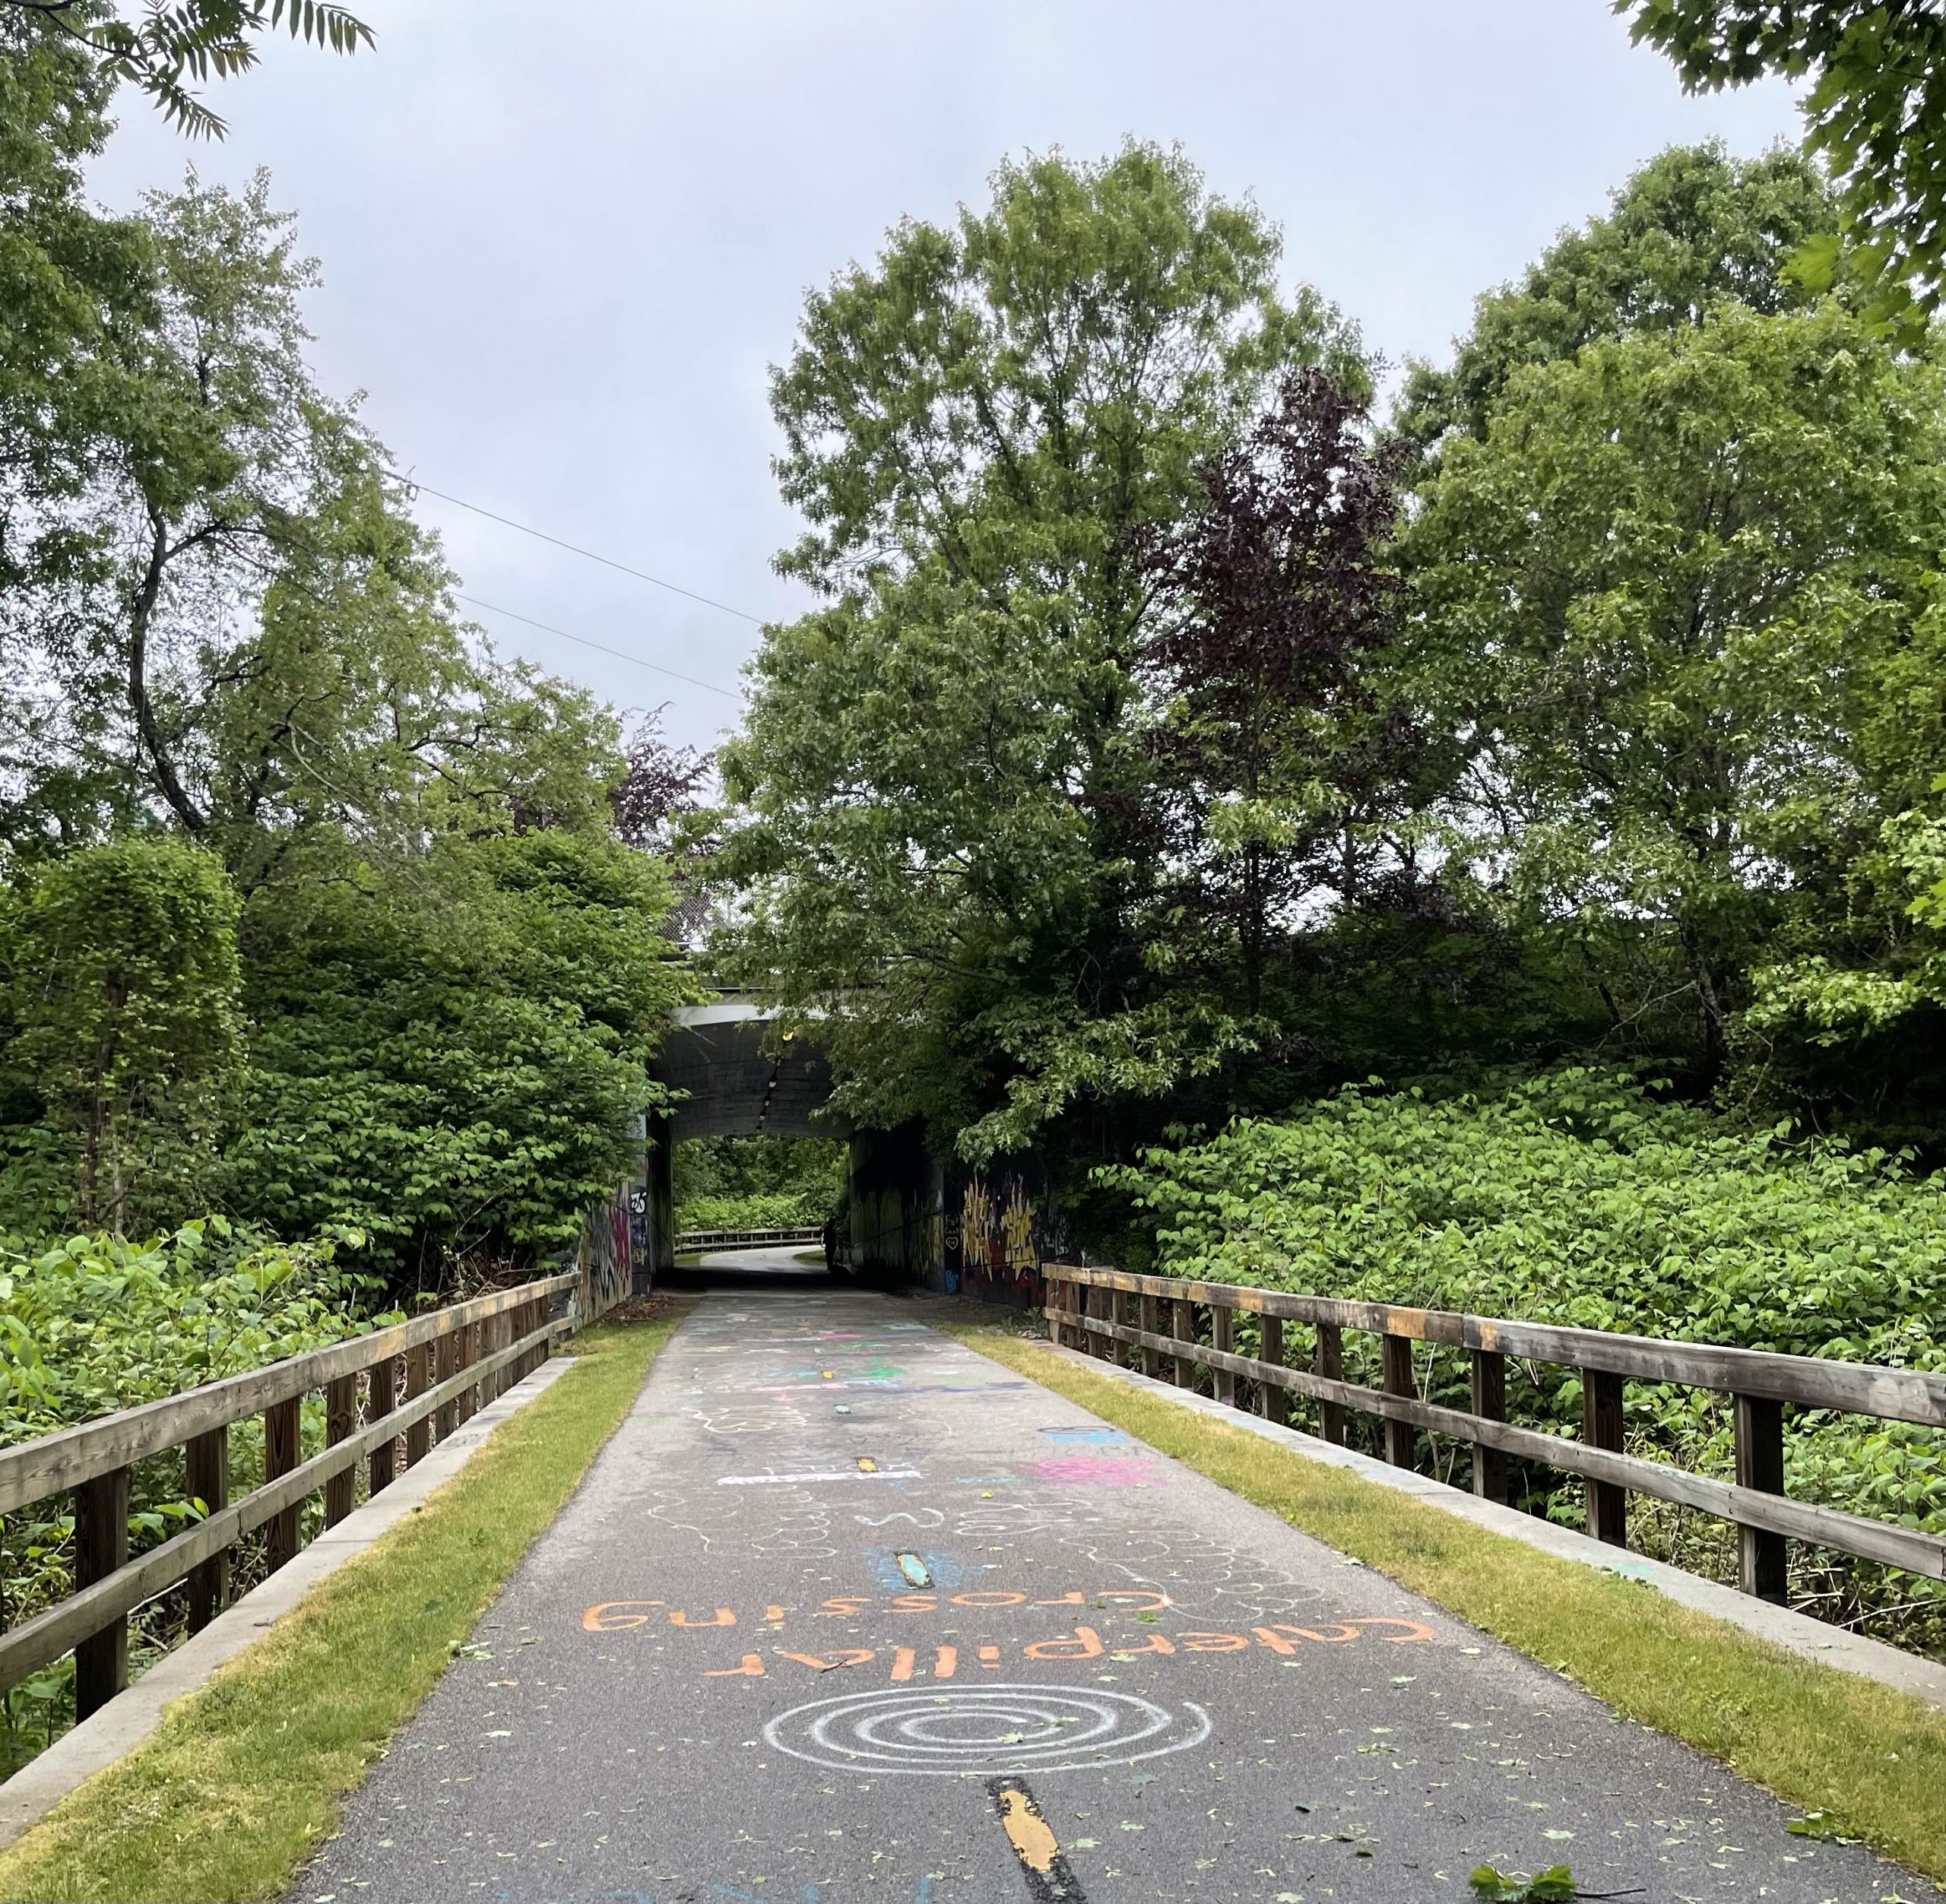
142,610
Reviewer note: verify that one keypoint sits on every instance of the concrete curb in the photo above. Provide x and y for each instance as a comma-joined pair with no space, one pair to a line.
127,1719
1798,1632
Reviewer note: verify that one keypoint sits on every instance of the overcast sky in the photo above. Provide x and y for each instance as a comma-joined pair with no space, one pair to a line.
562,243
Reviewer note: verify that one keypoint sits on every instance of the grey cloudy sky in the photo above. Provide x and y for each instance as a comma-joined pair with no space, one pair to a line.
562,243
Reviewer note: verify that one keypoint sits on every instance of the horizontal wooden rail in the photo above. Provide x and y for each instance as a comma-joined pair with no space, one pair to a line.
1763,1515
1856,1388
42,1639
54,1463
477,1349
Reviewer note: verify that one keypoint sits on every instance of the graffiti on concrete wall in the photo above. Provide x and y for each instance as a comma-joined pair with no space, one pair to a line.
612,1243
1005,1228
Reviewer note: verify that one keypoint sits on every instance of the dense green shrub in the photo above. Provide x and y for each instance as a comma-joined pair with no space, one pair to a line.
456,1064
1578,1197
97,1323
757,1182
773,1210
118,1030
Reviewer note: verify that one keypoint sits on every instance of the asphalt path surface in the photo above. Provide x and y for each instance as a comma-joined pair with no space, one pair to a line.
847,1612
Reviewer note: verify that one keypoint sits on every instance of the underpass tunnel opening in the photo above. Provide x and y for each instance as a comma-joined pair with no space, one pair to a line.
747,1142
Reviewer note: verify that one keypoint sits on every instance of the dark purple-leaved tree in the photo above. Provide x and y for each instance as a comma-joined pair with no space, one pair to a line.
1273,758
661,783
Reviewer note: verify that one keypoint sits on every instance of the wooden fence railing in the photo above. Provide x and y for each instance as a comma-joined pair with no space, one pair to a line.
1106,1310
806,1233
452,1362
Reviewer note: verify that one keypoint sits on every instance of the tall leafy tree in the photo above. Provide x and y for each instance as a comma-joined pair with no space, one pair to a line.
1663,602
938,825
1693,228
1875,111
229,643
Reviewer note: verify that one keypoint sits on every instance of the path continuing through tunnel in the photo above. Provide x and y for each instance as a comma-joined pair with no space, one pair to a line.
846,1611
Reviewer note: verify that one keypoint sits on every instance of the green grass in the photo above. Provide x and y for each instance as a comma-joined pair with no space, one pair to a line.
246,1777
1873,1760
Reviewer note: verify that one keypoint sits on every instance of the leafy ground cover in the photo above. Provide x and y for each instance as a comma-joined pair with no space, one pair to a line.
1580,1197
96,1323
1864,1761
245,1778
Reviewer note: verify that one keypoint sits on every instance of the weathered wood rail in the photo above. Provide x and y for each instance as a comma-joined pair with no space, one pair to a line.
410,1385
806,1233
1105,1311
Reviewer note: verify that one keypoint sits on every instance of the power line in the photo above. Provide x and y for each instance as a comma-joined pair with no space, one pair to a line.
493,608
541,535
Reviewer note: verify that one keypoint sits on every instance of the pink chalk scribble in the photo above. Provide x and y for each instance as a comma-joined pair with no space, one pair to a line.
1099,1471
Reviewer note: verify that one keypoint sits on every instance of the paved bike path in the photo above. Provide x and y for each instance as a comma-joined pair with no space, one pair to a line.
846,1612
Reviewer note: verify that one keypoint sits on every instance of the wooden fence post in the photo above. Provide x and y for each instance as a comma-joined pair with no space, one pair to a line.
340,1424
418,1379
382,1469
1489,1400
1223,1336
206,1465
446,1417
1601,1427
537,1312
497,1332
101,1545
1152,1323
1329,1363
1050,1310
1183,1328
1399,1437
280,1456
1273,1402
466,1341
1763,1560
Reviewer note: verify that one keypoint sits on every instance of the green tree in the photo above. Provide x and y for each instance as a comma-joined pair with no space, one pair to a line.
938,790
1875,108
1693,228
123,995
70,281
1663,602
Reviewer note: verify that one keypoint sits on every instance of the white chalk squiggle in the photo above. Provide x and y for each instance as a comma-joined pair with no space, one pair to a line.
978,1731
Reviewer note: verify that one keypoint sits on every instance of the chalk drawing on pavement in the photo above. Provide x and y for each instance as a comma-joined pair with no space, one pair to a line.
1101,1470
985,1731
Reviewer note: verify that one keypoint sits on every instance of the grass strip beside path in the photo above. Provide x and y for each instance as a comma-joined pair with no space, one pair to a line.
1873,1761
245,1777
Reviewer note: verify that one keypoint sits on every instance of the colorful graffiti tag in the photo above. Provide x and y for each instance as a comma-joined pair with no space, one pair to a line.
1005,1228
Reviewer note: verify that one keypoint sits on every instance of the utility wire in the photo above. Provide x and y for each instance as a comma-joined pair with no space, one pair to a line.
547,628
412,483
